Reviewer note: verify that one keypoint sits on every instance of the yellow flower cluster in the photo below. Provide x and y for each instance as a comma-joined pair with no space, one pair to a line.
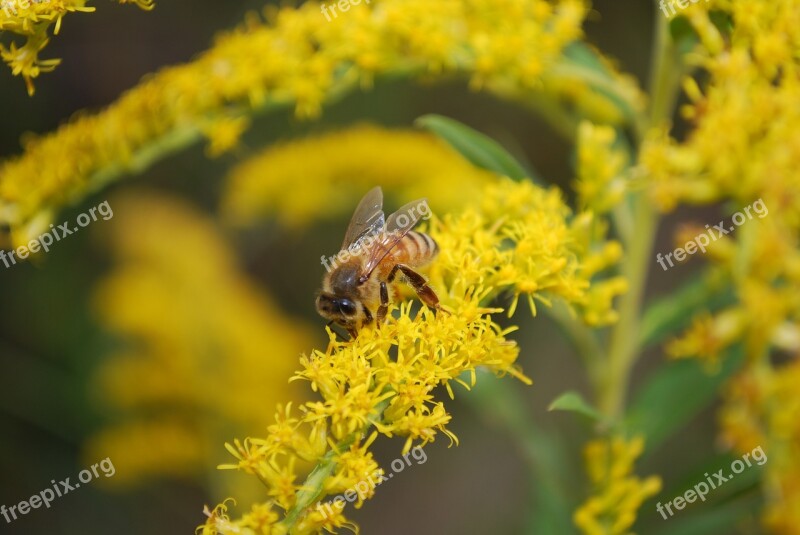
763,264
298,58
517,237
750,97
551,255
32,19
600,185
743,147
619,493
761,408
206,351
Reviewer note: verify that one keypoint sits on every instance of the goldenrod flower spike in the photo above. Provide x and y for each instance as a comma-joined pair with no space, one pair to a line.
760,410
301,60
743,151
515,237
618,492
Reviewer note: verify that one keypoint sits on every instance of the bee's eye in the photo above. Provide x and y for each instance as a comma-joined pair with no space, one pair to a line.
347,307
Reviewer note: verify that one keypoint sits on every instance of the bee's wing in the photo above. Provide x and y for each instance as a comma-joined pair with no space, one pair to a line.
397,226
368,219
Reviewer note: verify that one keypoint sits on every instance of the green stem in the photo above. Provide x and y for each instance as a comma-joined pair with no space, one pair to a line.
312,488
667,71
624,339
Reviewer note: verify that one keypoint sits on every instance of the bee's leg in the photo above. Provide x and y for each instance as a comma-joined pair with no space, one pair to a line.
384,304
418,282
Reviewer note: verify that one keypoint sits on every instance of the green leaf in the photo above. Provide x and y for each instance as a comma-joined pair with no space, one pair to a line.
711,520
683,34
573,401
583,54
479,149
581,62
737,484
674,312
675,393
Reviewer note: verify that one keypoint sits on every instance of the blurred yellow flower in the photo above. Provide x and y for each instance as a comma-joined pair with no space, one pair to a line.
619,493
223,134
761,408
509,47
302,181
744,146
205,352
708,336
600,185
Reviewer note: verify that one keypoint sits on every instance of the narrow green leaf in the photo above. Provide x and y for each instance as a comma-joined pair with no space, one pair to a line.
573,401
476,147
583,63
710,521
736,485
583,54
675,393
683,34
674,312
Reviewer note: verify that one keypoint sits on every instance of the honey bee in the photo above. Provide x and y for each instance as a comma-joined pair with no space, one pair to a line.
355,291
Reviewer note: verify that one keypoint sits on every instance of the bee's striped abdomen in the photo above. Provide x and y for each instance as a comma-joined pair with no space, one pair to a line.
415,249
